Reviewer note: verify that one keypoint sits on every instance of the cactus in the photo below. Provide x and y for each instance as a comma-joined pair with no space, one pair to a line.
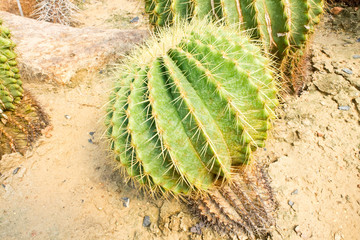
190,107
56,11
10,83
282,26
21,118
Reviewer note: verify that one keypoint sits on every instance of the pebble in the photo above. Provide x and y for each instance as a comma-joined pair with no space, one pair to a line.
358,40
16,170
338,236
356,56
346,70
146,221
196,229
126,201
291,203
297,229
344,108
135,19
90,141
67,116
295,192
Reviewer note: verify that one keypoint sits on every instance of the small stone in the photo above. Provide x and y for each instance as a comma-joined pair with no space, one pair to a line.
291,203
91,133
196,229
346,70
338,236
336,10
67,116
126,201
146,221
135,19
356,56
296,191
297,229
16,170
90,141
344,108
358,40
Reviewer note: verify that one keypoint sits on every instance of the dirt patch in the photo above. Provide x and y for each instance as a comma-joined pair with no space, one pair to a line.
11,6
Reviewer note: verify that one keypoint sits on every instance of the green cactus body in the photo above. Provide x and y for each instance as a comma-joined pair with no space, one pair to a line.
190,107
11,90
279,24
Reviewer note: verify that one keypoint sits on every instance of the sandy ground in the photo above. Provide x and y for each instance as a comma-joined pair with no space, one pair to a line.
67,188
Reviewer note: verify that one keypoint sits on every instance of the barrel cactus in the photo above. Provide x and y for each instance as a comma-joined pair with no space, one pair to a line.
21,118
10,84
190,107
279,24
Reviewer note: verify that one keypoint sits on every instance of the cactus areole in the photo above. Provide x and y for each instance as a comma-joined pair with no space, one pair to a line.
189,107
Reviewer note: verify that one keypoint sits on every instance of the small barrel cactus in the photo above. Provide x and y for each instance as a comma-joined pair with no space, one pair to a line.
279,24
10,84
21,118
191,106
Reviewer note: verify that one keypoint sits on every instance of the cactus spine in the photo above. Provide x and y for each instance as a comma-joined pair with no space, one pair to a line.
191,107
10,84
279,24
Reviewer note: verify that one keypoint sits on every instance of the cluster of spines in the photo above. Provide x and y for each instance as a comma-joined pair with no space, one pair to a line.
11,90
192,110
281,25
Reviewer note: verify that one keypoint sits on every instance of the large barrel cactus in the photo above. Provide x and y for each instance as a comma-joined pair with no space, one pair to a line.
279,24
21,118
10,83
190,107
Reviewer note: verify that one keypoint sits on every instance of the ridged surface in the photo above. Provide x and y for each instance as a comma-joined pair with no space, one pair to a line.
244,207
279,24
10,83
22,126
191,106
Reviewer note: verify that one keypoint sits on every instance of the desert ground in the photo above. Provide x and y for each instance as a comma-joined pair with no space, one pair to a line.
67,186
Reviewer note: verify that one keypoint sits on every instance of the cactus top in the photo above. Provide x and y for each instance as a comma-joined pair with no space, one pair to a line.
192,104
10,83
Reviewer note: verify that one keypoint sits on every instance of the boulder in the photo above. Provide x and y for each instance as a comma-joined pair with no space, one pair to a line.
54,53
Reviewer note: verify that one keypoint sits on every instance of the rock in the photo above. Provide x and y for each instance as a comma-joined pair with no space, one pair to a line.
56,53
336,10
342,99
296,191
346,70
146,221
328,83
344,108
291,203
297,229
356,56
338,236
126,201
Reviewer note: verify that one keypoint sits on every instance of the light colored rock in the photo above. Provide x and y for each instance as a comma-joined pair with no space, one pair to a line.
55,53
328,83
